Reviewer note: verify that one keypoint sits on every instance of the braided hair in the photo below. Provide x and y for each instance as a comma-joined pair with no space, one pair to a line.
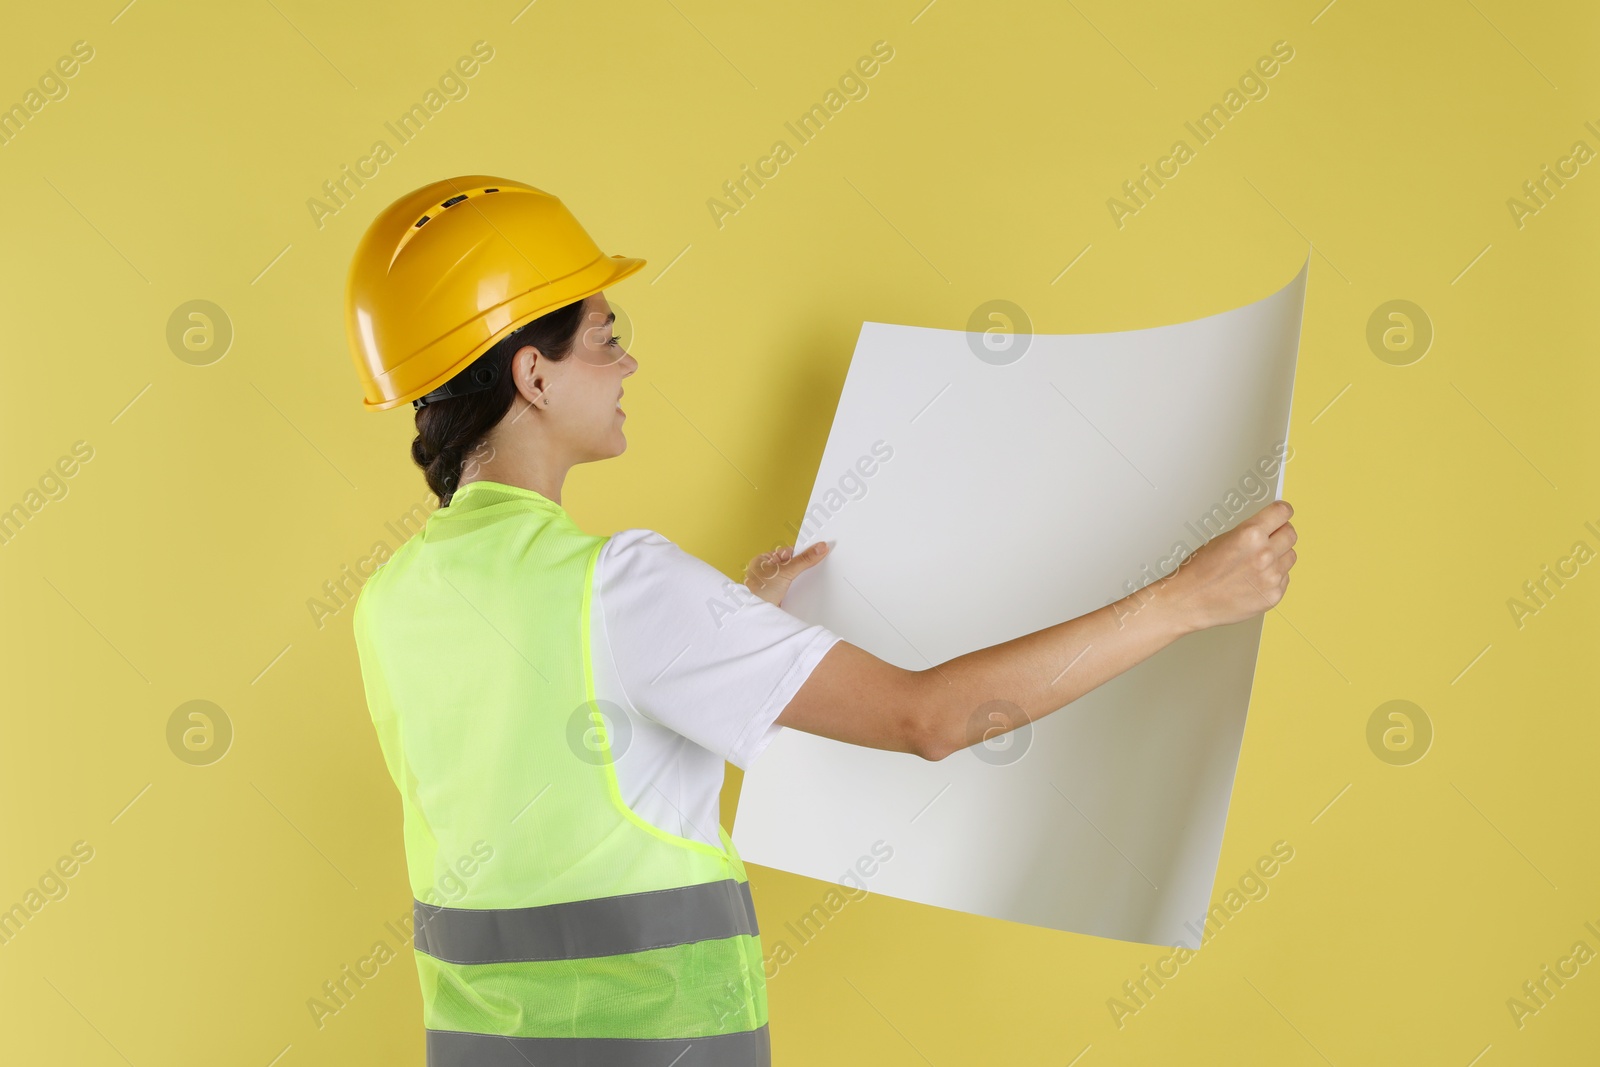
449,429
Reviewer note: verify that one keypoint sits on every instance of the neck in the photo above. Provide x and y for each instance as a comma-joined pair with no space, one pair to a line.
535,472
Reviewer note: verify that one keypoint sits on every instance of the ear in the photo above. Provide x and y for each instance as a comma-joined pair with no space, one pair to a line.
528,373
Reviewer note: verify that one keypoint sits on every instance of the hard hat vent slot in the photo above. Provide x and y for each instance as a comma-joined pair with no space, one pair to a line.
438,209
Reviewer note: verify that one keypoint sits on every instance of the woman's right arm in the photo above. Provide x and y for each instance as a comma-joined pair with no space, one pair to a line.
855,697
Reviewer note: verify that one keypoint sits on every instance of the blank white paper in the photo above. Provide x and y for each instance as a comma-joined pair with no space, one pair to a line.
972,500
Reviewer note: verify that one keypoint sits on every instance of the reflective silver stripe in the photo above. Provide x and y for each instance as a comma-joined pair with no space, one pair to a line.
602,926
750,1048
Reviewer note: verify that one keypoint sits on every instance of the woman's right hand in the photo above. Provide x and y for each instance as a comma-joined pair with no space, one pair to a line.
1236,575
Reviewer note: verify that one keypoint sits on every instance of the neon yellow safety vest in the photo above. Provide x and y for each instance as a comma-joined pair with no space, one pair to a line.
553,925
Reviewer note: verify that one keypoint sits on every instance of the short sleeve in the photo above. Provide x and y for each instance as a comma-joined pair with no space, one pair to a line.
697,652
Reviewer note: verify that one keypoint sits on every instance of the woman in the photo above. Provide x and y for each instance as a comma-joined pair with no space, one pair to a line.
555,707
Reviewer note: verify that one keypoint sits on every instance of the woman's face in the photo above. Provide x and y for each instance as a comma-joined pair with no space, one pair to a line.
586,388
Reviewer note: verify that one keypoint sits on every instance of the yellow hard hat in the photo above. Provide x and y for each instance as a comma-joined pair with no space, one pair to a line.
449,269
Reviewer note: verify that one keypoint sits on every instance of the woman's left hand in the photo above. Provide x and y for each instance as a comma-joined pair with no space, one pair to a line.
769,574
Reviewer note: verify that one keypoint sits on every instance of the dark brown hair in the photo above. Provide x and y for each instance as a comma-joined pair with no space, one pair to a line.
448,429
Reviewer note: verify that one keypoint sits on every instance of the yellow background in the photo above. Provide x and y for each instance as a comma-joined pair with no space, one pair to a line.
219,498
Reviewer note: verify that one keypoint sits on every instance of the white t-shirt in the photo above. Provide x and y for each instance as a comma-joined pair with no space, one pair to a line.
698,666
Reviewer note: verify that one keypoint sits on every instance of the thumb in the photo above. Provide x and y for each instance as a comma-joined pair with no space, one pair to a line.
785,564
808,558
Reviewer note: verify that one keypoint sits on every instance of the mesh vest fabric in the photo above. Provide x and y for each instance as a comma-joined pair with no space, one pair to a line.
474,648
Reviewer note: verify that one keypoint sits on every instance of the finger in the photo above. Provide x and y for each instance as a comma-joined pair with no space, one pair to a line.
1273,516
1283,538
807,558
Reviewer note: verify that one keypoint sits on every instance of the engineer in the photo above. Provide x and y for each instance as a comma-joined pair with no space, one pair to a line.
555,706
